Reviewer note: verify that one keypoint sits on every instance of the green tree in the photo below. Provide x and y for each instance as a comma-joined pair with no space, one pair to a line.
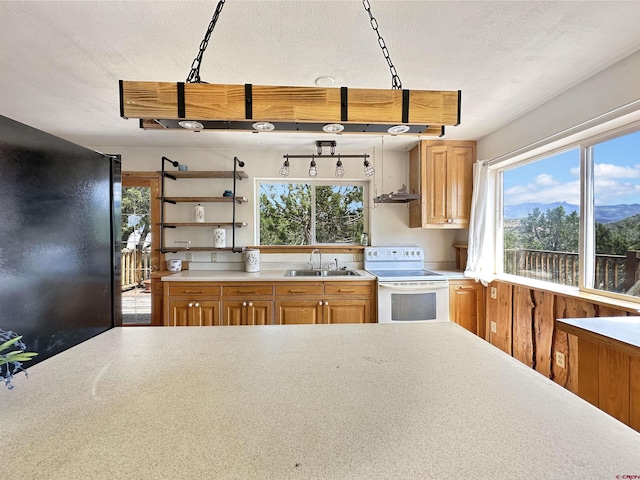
552,231
286,214
136,213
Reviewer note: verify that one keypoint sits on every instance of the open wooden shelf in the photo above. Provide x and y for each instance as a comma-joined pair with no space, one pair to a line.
204,174
203,224
202,199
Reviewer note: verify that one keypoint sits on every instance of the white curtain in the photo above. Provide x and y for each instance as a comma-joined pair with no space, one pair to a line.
481,253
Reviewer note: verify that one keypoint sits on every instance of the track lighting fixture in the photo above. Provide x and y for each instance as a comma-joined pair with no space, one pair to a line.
369,171
339,168
284,169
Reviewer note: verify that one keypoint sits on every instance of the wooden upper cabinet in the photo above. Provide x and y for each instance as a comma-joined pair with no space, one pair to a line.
442,172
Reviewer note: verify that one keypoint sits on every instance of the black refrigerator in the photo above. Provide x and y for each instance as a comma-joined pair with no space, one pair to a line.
59,225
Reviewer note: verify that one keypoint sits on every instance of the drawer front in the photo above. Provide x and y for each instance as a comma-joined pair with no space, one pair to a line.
298,289
244,290
347,288
190,290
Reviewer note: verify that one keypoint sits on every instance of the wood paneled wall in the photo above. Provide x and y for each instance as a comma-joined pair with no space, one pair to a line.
525,328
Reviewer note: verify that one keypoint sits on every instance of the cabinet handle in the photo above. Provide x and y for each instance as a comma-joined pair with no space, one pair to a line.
297,291
449,220
346,290
244,304
251,304
197,305
190,305
320,302
193,291
326,303
247,291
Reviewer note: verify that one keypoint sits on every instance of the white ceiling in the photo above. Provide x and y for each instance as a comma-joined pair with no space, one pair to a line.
60,62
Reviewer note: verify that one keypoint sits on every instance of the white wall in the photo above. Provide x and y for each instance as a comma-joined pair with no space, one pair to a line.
388,222
604,92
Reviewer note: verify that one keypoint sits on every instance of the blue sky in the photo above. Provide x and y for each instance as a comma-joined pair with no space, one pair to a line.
556,179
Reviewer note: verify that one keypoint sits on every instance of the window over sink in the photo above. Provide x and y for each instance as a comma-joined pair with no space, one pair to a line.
311,212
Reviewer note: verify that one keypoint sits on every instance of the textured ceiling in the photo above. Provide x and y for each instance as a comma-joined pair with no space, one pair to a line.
60,62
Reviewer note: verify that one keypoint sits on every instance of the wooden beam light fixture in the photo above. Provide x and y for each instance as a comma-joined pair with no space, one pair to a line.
197,106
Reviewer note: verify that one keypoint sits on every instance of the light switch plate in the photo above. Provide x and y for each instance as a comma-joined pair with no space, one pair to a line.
494,292
214,257
494,327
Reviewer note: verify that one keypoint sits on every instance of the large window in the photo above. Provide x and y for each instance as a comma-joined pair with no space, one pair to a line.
576,222
311,213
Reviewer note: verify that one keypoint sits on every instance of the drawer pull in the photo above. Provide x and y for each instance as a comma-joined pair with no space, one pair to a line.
300,290
247,291
193,291
346,290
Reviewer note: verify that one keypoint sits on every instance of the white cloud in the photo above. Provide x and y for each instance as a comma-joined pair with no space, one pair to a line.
545,180
607,170
533,193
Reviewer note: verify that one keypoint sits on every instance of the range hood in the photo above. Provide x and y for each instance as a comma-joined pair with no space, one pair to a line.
164,105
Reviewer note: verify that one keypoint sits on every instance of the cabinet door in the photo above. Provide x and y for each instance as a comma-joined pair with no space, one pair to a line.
234,312
347,311
436,185
466,305
260,312
207,313
289,312
459,184
179,313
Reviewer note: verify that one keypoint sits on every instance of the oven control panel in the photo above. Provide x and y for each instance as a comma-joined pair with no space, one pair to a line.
393,254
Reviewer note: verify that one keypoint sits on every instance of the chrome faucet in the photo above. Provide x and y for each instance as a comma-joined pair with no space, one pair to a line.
316,250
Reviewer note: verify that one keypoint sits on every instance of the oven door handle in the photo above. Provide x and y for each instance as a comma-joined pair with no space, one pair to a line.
422,286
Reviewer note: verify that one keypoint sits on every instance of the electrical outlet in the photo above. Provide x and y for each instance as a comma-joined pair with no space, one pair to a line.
214,257
189,257
494,327
357,257
560,359
494,292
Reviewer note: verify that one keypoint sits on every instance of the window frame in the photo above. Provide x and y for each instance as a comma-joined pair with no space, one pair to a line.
586,250
314,182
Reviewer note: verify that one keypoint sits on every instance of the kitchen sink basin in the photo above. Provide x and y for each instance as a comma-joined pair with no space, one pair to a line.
321,273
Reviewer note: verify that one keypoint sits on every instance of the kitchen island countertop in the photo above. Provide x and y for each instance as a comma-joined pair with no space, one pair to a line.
378,401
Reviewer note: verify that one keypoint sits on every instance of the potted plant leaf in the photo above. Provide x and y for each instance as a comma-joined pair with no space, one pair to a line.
12,356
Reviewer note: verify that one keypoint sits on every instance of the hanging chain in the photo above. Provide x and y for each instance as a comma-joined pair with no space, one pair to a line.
194,74
396,84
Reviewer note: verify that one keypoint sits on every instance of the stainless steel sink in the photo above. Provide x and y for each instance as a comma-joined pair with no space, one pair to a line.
321,273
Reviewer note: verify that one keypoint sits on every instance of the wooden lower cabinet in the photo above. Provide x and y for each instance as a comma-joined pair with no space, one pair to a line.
347,311
264,303
239,312
466,305
298,312
194,312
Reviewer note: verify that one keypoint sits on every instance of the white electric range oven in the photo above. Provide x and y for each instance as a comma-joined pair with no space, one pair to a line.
406,291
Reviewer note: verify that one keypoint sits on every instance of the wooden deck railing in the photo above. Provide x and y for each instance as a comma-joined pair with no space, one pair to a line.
613,273
136,267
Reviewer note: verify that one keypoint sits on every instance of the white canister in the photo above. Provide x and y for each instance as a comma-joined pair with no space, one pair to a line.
252,260
174,265
198,214
219,238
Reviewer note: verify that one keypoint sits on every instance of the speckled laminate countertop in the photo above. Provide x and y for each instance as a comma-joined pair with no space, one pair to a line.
262,276
377,401
619,332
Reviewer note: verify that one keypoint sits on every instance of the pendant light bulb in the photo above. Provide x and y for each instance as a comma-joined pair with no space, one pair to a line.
313,171
339,169
369,171
284,169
